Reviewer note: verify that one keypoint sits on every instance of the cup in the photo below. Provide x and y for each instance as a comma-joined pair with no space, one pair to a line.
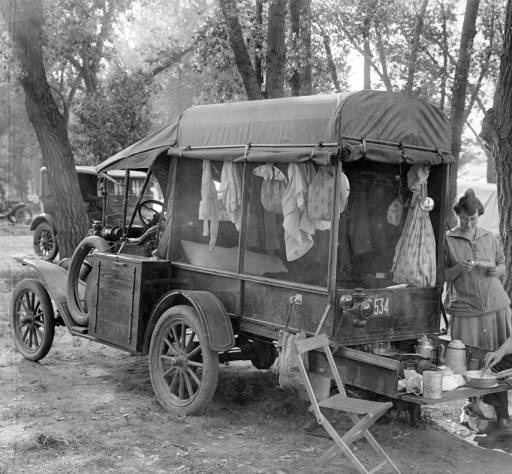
432,384
474,364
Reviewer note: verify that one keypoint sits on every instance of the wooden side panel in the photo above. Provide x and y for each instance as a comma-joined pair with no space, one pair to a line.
127,288
398,314
227,289
268,305
116,301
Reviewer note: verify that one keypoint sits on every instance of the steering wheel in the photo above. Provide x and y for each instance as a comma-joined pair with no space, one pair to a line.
148,214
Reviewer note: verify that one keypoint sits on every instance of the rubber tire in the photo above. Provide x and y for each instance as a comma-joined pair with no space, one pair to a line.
210,359
31,286
79,315
20,215
45,227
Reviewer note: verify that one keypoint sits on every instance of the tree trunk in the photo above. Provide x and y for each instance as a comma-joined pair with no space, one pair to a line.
305,48
367,56
258,43
237,43
330,61
415,48
294,56
25,19
276,54
491,169
497,133
460,84
382,58
444,73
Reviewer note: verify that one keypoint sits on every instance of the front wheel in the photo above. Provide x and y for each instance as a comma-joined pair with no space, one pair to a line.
32,319
184,371
23,215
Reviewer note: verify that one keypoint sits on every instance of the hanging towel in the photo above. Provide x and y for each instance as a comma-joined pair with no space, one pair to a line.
210,206
414,262
297,240
231,192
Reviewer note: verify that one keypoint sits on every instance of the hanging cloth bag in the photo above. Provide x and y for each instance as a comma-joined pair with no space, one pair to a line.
272,188
321,193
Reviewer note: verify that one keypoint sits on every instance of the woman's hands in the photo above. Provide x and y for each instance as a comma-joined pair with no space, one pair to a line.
466,266
492,358
492,271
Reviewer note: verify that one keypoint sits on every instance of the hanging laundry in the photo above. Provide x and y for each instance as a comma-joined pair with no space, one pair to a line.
210,207
298,229
231,192
272,189
415,253
321,190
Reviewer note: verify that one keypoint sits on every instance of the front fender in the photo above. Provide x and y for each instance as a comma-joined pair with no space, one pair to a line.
55,280
44,218
212,316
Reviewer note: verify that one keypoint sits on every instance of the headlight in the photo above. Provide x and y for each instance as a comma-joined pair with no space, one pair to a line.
366,308
346,302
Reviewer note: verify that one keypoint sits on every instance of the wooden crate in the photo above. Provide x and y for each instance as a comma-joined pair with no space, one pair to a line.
123,290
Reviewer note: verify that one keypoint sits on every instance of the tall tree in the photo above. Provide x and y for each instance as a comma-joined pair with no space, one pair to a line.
276,52
306,86
25,23
300,47
237,43
458,104
497,133
420,20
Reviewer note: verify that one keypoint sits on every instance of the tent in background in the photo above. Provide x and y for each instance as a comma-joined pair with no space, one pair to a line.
487,193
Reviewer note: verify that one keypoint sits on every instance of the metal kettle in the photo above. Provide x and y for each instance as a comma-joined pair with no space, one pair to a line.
425,346
456,356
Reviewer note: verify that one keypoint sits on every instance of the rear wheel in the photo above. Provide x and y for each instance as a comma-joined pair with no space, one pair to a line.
184,371
32,319
45,242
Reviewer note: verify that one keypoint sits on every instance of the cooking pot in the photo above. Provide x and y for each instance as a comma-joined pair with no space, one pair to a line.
485,379
456,356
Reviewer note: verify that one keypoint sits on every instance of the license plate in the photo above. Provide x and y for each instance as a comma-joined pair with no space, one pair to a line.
381,306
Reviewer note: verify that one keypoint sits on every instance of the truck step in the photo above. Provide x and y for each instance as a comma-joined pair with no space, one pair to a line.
79,330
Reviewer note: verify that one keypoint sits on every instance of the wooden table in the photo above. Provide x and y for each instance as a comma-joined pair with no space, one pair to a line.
457,394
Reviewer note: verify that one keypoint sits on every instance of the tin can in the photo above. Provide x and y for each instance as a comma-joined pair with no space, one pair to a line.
432,384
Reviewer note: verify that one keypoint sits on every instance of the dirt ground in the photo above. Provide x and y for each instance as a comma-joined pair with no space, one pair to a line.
88,408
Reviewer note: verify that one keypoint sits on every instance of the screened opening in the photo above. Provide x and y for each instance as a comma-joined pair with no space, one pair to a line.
203,232
279,228
385,237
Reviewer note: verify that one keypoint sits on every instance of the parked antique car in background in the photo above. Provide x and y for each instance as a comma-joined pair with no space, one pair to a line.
14,210
303,215
96,189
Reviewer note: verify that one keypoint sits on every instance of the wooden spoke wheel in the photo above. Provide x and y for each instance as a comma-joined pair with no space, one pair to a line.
45,242
23,215
183,369
32,319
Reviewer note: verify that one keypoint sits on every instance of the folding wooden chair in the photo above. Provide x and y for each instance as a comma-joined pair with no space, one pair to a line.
363,413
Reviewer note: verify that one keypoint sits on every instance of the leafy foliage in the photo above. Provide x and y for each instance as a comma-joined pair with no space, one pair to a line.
115,116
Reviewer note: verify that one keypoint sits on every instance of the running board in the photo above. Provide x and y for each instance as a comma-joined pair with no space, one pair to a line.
79,330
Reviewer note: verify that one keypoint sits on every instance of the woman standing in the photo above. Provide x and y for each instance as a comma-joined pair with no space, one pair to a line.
480,307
